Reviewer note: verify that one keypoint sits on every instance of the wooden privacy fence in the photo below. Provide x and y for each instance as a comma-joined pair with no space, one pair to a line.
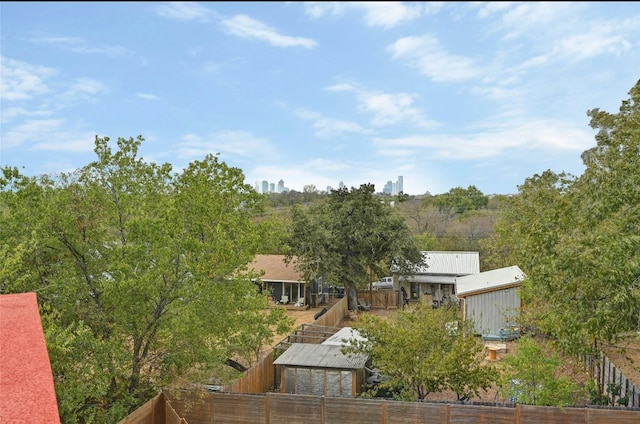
280,408
380,299
156,411
259,378
606,373
334,315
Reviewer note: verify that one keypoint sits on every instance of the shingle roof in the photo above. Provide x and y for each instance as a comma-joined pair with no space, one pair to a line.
27,392
275,268
320,356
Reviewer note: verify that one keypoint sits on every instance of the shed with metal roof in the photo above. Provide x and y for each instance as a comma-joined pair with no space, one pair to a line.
321,370
491,299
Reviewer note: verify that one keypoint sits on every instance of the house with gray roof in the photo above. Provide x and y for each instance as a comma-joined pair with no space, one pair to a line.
435,281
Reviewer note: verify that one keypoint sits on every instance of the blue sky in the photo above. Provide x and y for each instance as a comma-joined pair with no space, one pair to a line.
446,94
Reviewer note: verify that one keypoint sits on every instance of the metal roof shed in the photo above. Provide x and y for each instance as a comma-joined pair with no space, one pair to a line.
321,370
491,298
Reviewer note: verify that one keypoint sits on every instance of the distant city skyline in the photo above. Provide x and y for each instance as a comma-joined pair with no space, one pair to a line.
265,187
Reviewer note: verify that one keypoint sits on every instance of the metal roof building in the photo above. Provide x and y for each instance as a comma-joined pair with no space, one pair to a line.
435,281
489,280
320,356
456,263
321,370
490,299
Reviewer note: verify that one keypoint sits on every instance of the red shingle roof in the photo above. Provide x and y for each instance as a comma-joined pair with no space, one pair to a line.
27,393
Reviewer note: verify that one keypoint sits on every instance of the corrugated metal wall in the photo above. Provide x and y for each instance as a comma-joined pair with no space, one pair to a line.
493,310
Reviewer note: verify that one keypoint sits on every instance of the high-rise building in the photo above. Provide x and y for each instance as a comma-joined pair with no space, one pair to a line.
399,185
388,188
272,188
265,186
280,186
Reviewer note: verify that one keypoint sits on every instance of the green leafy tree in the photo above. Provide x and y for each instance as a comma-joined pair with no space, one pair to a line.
350,237
578,238
533,375
250,345
459,200
422,350
138,272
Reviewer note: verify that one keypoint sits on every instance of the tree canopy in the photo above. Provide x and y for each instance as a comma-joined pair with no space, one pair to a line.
350,238
459,200
578,238
533,375
421,350
140,274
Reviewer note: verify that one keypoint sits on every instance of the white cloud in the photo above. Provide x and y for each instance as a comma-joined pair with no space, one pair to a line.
22,81
78,45
489,8
86,85
328,127
344,86
48,135
235,143
147,96
246,27
563,29
81,90
598,41
390,109
491,141
535,20
316,9
12,113
427,55
185,11
68,141
385,14
387,108
496,93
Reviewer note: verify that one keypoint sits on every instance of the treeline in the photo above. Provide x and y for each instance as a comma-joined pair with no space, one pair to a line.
459,220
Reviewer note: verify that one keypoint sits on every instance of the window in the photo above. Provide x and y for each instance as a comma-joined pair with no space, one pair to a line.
415,290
